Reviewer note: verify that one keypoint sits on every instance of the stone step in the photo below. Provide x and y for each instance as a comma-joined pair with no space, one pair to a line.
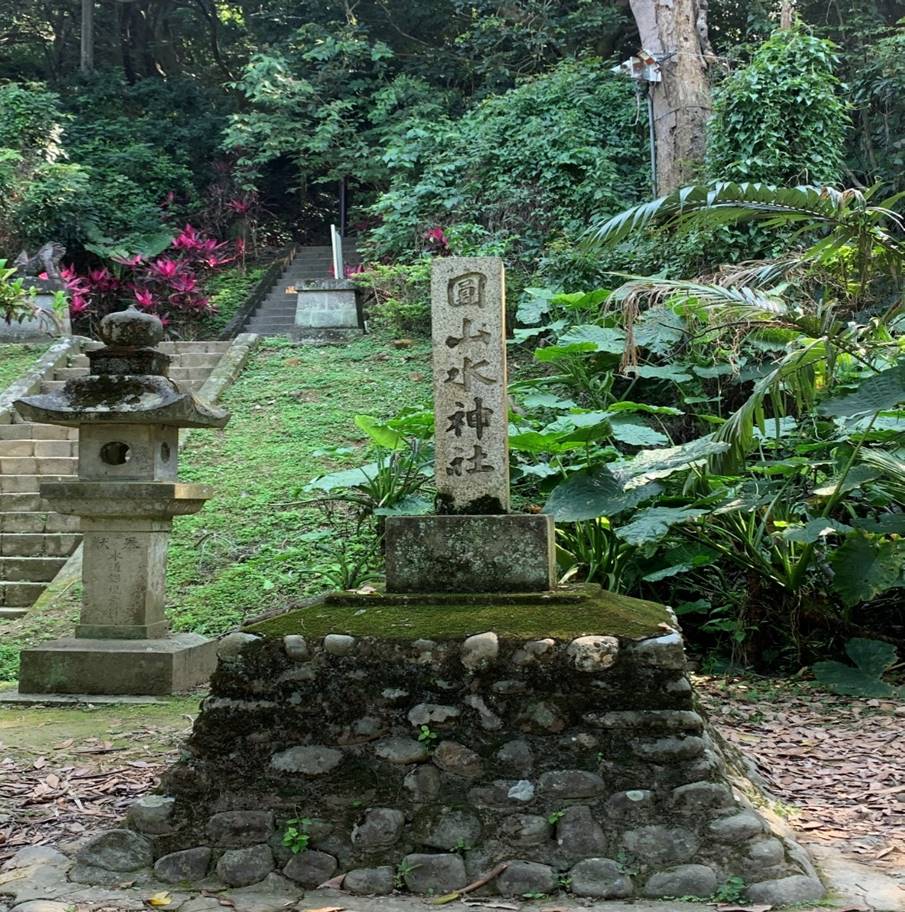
270,317
11,614
280,308
30,569
271,326
198,359
30,522
27,484
19,594
21,503
70,373
26,430
200,347
38,544
32,465
179,370
40,448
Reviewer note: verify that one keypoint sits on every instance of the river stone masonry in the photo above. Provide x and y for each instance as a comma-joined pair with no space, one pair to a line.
578,763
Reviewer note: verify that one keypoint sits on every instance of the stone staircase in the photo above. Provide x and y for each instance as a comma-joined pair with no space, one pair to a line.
35,543
276,314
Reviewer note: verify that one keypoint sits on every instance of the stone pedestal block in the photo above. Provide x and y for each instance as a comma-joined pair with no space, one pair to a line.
146,667
123,579
512,553
327,303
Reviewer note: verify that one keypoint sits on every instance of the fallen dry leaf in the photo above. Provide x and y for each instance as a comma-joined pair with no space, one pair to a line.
159,899
335,883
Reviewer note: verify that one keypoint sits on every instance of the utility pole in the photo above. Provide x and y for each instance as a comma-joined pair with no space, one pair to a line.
87,36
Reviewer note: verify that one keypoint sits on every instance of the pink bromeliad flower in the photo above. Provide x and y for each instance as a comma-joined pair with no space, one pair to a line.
188,239
437,240
165,268
78,304
212,261
241,206
143,298
185,284
102,281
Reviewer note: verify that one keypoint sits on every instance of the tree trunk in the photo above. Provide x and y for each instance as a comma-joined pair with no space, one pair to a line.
675,32
87,56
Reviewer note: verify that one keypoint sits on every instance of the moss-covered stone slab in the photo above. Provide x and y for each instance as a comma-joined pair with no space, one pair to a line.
565,613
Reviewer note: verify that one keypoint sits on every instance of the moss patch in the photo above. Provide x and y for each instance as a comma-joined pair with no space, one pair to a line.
570,612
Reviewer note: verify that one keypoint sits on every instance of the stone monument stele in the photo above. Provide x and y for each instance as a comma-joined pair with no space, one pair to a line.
474,544
129,413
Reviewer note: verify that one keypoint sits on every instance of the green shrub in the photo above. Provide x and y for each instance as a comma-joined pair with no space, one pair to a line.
228,292
528,165
400,296
780,119
30,120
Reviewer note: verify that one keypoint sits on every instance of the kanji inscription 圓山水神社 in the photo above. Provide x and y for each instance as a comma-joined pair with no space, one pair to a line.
470,403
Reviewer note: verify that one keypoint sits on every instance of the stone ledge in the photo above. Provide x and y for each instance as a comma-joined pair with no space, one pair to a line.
566,612
136,667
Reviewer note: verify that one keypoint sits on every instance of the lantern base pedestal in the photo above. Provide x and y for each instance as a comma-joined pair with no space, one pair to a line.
144,667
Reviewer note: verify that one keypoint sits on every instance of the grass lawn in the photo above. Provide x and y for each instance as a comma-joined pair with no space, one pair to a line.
17,357
253,548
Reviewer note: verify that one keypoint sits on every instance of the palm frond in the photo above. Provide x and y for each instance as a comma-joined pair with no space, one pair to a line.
755,302
795,373
723,202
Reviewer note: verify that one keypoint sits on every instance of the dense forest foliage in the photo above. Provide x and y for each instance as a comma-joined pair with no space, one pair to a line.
230,113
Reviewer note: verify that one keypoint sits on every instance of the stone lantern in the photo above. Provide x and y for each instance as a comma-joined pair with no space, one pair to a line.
129,413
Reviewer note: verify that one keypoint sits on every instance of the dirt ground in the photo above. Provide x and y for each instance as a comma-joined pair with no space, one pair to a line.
835,765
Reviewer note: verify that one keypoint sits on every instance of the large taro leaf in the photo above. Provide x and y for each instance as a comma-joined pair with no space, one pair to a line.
681,559
660,372
626,405
412,505
878,393
884,524
604,338
813,530
546,400
551,353
651,464
594,492
865,566
659,330
534,306
653,523
865,678
856,476
380,432
587,338
635,432
345,478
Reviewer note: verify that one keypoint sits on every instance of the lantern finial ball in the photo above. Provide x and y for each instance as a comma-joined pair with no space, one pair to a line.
131,329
